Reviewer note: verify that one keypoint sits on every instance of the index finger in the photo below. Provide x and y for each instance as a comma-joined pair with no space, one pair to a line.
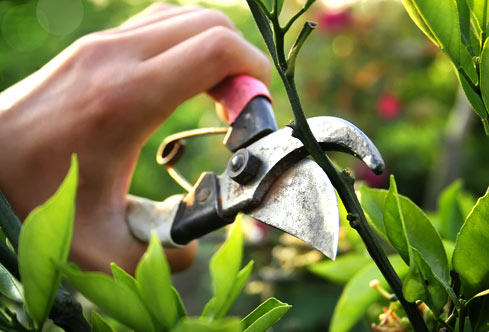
201,62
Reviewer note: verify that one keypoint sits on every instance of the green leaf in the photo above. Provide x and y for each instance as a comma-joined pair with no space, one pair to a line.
422,235
10,287
480,294
475,100
449,247
484,74
181,312
357,296
154,283
99,324
427,248
44,239
467,202
436,19
265,315
264,26
113,297
123,277
450,214
239,283
480,9
471,248
342,270
372,201
404,221
394,221
203,325
413,288
465,27
420,21
224,268
422,284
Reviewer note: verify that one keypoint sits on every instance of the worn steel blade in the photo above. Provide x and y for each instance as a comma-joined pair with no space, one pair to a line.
302,202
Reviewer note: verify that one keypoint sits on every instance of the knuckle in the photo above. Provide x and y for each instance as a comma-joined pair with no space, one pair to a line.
93,45
218,18
222,44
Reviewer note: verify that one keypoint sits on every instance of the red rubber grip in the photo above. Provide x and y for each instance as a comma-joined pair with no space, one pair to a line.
235,92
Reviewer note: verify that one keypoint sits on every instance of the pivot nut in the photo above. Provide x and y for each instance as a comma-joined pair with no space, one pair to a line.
243,166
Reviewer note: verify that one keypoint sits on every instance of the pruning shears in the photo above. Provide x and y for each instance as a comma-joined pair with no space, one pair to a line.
268,177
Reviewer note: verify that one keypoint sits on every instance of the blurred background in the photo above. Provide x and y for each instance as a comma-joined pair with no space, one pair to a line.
366,62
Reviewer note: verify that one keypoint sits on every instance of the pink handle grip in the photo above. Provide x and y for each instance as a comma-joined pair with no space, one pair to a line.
235,92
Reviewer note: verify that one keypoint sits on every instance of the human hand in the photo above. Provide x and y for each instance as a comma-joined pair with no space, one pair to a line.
102,98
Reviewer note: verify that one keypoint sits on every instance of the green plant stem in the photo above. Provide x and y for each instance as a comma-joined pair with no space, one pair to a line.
279,44
342,181
264,9
294,51
461,319
452,319
298,14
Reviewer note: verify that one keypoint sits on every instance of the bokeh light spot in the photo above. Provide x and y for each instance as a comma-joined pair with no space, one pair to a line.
60,17
21,30
343,46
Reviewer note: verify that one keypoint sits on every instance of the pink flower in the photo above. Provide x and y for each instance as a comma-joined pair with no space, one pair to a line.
334,20
388,105
362,172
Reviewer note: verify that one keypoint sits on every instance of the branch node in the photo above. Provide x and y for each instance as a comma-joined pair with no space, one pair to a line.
354,220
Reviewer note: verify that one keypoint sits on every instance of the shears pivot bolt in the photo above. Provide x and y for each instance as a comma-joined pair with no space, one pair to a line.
243,166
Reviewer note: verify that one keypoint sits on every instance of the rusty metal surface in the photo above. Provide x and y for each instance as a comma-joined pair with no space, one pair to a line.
302,202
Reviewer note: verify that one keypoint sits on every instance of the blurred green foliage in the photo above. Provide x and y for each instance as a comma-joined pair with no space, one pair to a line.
367,63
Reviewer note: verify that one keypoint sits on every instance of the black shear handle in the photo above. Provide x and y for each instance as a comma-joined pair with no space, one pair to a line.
254,122
246,103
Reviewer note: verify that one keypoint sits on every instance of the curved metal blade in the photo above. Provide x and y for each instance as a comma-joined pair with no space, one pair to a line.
280,150
302,202
336,134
